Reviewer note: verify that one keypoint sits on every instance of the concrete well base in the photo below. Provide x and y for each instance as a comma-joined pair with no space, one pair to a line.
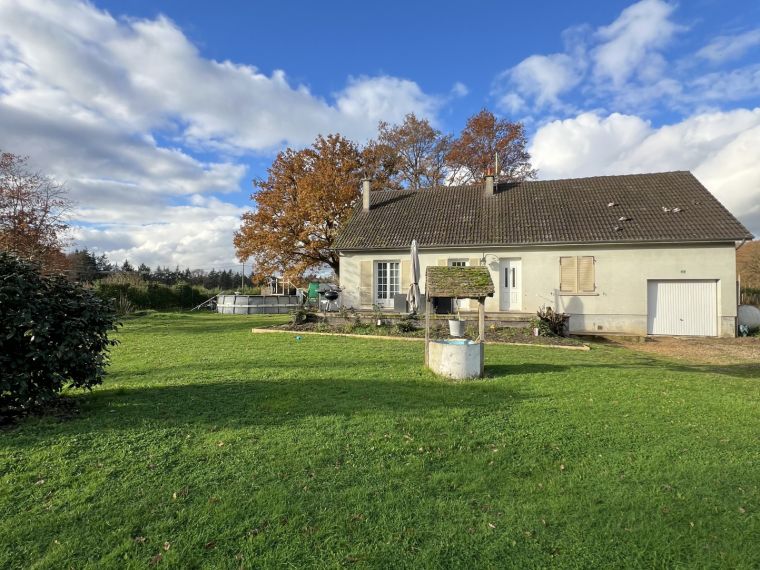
456,358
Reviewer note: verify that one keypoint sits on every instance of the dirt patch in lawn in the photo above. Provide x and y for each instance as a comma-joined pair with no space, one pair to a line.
703,350
517,335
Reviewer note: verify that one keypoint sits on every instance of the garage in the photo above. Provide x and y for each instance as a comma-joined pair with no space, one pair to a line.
682,307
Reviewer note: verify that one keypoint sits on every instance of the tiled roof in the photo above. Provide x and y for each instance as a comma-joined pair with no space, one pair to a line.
667,207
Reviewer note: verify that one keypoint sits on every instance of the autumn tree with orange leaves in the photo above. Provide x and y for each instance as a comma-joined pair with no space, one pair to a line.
33,210
418,150
300,207
308,194
473,153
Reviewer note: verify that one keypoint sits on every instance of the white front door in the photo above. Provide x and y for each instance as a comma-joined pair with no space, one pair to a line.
387,282
511,284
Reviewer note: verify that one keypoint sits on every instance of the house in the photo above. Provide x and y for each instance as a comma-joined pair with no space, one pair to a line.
634,254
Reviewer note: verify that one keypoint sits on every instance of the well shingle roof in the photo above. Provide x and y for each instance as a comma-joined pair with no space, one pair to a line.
458,282
666,206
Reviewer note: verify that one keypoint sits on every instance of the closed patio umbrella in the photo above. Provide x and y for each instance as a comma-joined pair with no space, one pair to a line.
413,296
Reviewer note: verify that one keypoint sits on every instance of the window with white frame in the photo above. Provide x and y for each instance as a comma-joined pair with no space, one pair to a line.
388,282
458,263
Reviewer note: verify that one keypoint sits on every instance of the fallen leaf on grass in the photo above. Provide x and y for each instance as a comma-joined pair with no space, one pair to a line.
167,545
742,510
220,444
156,559
491,525
210,545
140,539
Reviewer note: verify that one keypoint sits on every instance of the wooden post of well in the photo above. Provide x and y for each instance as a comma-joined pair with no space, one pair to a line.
427,328
482,319
482,331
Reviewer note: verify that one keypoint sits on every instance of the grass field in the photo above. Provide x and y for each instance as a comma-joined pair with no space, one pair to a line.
208,446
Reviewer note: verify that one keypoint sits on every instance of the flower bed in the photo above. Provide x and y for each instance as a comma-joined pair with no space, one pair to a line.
407,329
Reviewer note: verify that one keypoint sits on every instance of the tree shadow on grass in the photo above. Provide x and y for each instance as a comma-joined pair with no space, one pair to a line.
228,403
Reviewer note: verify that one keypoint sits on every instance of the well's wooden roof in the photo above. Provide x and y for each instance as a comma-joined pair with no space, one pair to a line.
458,282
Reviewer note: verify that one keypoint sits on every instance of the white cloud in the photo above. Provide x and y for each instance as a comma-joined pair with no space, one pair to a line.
621,63
116,107
195,236
584,145
626,66
724,48
720,148
630,45
459,89
368,100
542,78
733,85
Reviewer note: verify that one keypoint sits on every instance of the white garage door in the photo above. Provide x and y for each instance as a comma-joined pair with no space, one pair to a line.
682,307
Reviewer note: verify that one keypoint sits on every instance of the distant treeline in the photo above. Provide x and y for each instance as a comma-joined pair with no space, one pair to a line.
163,289
85,267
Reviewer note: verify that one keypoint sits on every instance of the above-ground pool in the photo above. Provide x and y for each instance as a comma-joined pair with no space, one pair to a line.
256,304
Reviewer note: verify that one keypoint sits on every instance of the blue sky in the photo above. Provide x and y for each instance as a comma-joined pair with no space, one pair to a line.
158,114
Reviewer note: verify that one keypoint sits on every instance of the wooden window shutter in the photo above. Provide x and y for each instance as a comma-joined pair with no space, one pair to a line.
365,283
586,277
443,261
568,274
474,261
406,275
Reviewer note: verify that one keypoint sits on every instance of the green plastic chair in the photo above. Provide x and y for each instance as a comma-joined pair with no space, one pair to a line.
312,297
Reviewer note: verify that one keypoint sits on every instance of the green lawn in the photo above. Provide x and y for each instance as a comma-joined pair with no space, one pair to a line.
218,448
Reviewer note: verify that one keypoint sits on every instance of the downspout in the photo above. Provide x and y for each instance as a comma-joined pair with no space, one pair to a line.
738,292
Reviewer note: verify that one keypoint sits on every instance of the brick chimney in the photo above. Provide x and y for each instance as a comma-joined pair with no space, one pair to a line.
490,188
365,194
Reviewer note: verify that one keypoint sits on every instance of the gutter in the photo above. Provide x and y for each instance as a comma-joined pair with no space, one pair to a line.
540,244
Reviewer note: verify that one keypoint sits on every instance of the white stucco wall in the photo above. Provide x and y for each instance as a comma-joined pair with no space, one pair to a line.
620,301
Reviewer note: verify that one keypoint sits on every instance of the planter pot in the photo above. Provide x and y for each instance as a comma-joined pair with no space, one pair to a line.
456,328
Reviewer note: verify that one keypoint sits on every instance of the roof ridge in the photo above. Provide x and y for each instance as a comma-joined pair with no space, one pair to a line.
479,185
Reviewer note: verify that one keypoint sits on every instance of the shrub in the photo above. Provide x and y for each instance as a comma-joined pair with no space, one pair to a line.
550,323
53,334
750,296
303,315
141,294
407,324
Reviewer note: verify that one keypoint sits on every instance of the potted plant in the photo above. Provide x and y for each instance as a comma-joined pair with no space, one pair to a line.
456,326
377,313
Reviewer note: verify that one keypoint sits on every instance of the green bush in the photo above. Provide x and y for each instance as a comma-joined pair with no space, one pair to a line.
750,296
407,324
131,292
303,315
53,334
